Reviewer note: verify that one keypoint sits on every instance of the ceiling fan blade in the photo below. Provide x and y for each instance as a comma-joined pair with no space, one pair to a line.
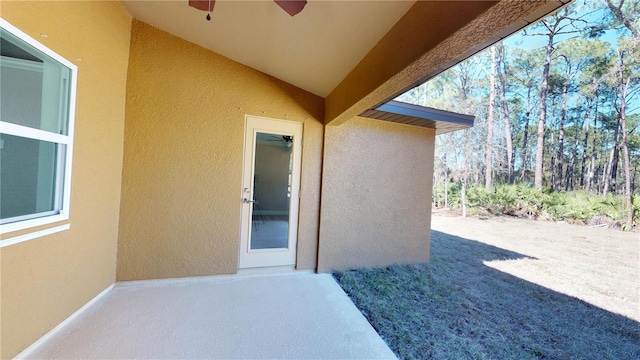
204,5
292,7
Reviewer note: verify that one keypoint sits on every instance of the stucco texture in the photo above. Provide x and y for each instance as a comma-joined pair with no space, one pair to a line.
46,279
184,136
376,198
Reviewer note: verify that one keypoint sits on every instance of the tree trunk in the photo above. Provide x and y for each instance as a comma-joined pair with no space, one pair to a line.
633,181
590,186
569,182
463,197
501,67
492,96
611,168
544,88
525,137
585,143
446,190
624,86
436,181
446,181
525,152
617,12
552,161
605,174
613,185
627,174
563,118
592,171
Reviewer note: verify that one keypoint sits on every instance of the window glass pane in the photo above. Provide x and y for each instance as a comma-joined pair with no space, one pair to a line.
35,88
28,172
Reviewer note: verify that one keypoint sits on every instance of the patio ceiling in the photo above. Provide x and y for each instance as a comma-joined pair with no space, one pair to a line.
314,50
356,54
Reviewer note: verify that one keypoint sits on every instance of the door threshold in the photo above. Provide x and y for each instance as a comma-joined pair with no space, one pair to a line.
271,270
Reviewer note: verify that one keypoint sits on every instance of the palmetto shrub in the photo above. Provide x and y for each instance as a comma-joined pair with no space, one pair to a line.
525,201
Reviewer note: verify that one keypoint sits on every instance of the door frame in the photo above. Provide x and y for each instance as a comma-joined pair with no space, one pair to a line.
247,257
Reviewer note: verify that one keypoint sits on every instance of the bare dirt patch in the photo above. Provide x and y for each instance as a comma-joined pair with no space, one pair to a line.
597,265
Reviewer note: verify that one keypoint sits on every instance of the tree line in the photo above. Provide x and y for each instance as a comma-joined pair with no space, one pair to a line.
562,116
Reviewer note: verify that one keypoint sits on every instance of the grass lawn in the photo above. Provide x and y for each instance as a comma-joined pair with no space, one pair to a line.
456,307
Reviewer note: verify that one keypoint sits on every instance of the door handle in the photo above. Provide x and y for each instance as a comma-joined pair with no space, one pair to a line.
247,201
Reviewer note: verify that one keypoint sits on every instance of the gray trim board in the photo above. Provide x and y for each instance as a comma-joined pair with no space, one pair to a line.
416,115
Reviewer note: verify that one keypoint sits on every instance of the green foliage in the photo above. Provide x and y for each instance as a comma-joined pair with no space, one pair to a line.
587,76
525,201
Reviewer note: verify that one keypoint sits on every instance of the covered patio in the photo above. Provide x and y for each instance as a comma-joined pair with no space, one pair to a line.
155,122
254,315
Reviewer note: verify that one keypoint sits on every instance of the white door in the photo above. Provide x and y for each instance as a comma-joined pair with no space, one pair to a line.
269,192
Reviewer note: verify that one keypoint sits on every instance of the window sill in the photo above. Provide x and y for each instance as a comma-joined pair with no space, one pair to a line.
33,235
31,223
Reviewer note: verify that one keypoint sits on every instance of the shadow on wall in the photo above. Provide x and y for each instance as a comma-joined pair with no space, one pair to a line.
309,102
456,307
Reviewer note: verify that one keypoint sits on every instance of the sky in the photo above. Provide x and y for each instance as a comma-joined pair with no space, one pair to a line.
532,42
593,17
520,40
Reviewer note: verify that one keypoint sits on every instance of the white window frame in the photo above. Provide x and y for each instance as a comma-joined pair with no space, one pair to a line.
64,161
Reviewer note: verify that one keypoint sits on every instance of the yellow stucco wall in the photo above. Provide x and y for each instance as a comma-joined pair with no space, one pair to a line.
184,133
376,199
46,279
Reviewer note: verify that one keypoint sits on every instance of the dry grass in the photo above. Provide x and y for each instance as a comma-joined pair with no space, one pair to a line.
500,288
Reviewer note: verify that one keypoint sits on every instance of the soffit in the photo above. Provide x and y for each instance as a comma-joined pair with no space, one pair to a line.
314,50
439,120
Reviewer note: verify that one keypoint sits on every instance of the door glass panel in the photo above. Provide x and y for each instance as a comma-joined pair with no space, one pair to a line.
271,191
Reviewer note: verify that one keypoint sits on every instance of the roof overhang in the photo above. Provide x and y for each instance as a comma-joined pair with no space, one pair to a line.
430,38
439,120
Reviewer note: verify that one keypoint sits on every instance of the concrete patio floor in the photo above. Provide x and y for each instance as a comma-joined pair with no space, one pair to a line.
282,316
